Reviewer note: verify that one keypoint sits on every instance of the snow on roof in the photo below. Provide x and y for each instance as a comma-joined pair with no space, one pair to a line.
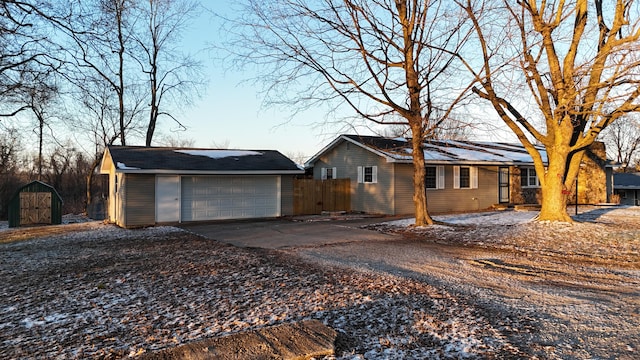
219,154
122,166
451,150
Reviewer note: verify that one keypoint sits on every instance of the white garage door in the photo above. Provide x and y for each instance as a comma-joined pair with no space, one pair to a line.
229,197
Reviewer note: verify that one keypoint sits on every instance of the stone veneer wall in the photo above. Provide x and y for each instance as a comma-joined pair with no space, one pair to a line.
520,195
592,181
592,177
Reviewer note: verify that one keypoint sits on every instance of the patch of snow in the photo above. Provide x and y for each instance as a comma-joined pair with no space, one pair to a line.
123,166
108,292
455,151
505,217
219,154
29,323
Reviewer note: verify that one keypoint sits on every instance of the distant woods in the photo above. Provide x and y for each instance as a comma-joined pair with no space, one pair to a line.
79,75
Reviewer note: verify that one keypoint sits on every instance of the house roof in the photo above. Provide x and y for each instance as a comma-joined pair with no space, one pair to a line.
172,160
439,151
628,181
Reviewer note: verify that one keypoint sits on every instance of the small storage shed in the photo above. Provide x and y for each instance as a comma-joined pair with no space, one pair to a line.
36,203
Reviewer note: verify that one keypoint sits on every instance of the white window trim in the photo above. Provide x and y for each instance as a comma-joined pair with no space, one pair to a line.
439,178
323,173
473,177
529,186
374,175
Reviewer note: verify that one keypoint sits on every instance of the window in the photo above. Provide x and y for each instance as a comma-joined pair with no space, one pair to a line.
328,173
430,177
465,177
434,177
528,177
368,174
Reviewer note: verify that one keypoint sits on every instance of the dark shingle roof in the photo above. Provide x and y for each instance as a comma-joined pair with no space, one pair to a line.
138,158
626,180
452,151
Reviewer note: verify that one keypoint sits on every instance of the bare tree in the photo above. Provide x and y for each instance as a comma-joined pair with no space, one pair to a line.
97,114
622,138
23,52
172,77
40,97
174,141
10,146
98,32
390,62
577,60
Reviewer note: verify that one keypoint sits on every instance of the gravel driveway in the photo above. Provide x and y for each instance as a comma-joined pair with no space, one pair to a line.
461,291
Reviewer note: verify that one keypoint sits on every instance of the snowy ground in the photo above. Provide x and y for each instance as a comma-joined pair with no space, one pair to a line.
489,285
573,289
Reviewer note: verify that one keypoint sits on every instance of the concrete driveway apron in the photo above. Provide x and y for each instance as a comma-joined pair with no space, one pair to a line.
288,233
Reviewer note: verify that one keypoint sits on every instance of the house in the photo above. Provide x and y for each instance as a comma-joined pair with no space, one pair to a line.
154,185
460,175
627,187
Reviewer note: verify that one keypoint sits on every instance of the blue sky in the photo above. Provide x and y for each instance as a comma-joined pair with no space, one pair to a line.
230,114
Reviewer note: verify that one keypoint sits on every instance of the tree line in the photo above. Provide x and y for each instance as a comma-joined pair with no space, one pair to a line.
109,71
64,167
554,73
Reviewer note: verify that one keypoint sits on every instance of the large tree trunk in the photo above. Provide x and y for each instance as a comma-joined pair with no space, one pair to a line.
419,191
554,191
89,193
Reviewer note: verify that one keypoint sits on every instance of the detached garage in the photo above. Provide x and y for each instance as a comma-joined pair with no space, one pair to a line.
154,185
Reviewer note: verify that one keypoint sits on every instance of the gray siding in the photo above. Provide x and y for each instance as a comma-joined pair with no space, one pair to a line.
286,193
375,198
628,197
609,181
139,192
404,189
447,199
454,200
393,193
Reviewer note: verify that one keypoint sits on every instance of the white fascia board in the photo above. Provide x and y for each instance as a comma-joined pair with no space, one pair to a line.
101,169
309,163
204,172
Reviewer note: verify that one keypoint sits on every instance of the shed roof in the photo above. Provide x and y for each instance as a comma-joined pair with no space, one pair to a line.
140,159
440,151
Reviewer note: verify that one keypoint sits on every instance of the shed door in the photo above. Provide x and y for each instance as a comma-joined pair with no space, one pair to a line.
35,208
167,198
230,197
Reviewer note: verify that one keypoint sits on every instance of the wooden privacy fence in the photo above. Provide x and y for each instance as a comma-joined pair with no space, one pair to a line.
315,196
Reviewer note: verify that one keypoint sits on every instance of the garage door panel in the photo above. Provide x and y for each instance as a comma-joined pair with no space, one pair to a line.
229,197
